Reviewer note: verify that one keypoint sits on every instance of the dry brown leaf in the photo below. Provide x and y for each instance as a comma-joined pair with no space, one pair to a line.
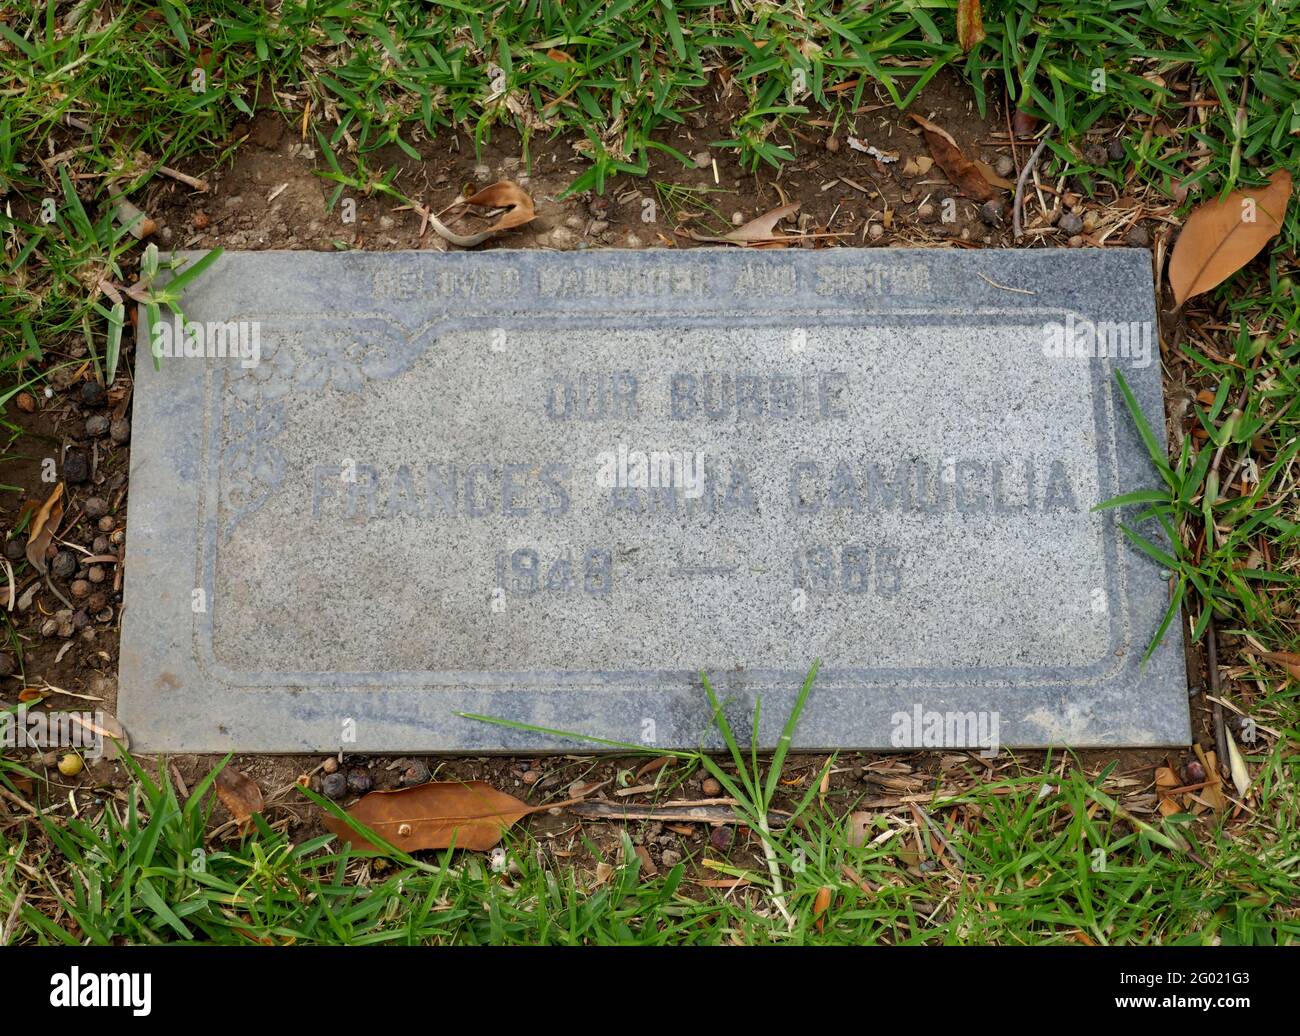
861,825
1023,124
992,177
960,170
1166,778
558,55
503,195
581,789
1169,806
764,227
239,794
43,526
1224,234
970,24
470,814
653,766
757,231
821,904
1288,660
1212,794
1237,766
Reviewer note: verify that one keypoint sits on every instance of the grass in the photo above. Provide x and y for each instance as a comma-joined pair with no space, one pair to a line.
392,73
1026,858
97,100
1220,567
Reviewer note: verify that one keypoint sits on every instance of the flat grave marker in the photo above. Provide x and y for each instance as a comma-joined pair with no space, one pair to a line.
552,488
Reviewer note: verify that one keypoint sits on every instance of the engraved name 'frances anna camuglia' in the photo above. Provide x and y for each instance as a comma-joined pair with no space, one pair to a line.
657,480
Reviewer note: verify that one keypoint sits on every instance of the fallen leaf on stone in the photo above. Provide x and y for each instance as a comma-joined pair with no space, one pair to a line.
469,814
1224,234
503,195
970,24
44,524
239,794
960,170
757,231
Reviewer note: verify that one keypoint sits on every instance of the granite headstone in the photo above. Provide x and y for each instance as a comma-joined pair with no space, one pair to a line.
377,495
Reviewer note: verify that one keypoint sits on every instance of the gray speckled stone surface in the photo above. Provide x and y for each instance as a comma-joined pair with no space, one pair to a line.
402,512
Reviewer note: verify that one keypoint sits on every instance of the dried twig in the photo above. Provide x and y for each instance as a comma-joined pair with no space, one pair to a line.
6,933
1025,170
54,590
601,809
189,181
19,801
1212,662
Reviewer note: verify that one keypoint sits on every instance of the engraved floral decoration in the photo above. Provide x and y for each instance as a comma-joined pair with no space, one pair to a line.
252,467
337,363
273,377
322,355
